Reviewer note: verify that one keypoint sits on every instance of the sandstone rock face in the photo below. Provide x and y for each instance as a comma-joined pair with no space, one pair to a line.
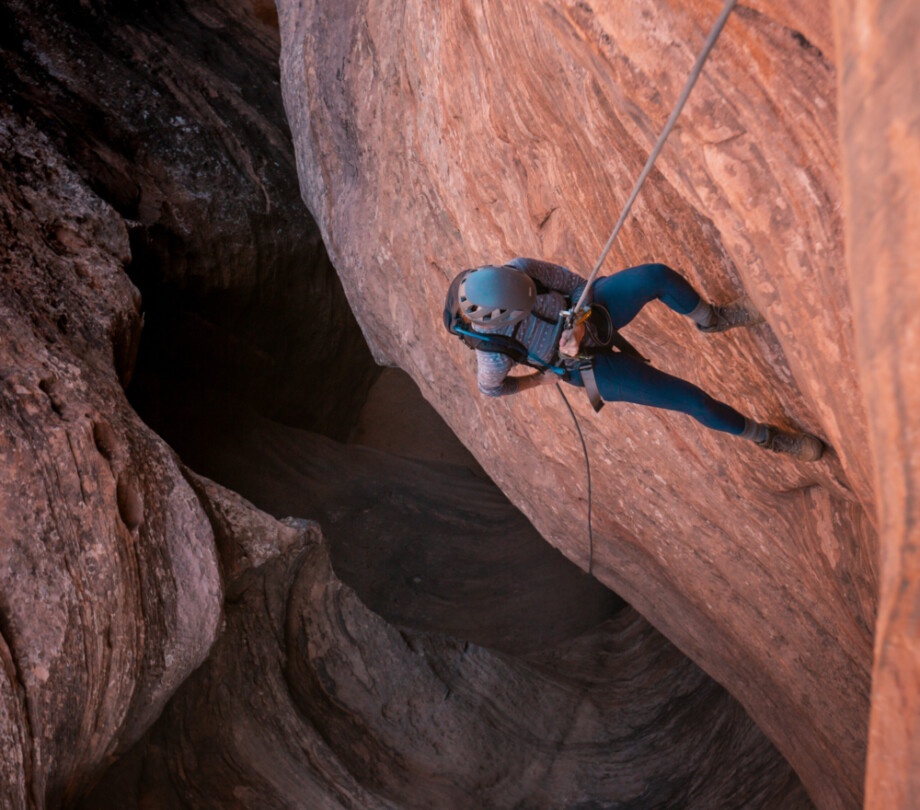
158,141
880,122
311,700
109,586
464,133
433,650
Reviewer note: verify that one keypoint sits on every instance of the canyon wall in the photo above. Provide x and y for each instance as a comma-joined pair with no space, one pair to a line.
879,88
149,200
133,140
167,643
434,138
173,115
109,582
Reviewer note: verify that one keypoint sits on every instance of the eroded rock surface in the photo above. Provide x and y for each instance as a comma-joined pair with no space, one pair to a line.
109,586
880,123
140,138
311,700
466,133
172,113
433,137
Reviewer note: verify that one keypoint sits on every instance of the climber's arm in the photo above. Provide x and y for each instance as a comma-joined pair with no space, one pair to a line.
570,340
493,376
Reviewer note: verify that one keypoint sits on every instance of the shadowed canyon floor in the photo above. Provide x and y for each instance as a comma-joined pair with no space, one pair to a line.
375,624
573,701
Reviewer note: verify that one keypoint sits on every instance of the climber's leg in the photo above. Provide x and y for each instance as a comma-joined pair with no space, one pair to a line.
621,378
722,317
626,292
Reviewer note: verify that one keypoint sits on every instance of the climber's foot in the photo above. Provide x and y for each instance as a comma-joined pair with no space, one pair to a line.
802,446
738,313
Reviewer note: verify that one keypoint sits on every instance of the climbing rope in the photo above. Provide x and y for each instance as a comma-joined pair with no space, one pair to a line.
573,314
584,449
694,75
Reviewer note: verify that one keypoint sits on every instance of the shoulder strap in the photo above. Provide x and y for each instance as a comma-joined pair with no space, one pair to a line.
501,344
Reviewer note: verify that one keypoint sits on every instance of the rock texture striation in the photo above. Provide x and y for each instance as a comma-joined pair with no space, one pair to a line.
172,114
163,643
880,122
496,130
311,700
109,587
146,138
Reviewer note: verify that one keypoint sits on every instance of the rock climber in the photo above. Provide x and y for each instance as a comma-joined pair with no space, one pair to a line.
521,302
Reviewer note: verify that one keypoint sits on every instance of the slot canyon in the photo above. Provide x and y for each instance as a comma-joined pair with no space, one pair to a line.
265,545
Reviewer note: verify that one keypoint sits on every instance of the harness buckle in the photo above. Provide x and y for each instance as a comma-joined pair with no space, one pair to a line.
586,371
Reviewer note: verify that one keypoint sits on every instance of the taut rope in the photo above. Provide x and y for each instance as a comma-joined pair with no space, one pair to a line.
694,75
573,314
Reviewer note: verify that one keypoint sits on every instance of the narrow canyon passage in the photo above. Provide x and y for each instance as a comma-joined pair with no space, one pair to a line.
252,568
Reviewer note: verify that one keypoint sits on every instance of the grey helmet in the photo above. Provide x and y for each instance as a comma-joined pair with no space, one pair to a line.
497,296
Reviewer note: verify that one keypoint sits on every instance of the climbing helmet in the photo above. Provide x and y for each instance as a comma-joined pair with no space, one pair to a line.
497,296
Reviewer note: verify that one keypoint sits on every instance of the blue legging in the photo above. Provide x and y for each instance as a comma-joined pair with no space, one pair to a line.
621,378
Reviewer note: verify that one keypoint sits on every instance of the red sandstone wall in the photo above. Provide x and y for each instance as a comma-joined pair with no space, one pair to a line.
432,138
880,133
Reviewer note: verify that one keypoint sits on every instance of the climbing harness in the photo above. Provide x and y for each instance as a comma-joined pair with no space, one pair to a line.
568,318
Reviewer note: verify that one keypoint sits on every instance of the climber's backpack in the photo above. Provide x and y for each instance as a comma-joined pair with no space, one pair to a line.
502,344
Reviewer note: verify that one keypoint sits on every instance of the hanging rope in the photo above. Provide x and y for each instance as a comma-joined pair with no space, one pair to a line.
694,75
573,314
584,449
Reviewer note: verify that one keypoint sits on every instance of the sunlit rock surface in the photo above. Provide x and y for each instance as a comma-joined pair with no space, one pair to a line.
880,123
432,137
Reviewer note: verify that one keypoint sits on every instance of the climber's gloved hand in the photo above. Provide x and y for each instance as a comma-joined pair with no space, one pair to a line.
570,341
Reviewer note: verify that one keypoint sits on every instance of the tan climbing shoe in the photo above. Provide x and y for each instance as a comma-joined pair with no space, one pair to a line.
738,313
802,446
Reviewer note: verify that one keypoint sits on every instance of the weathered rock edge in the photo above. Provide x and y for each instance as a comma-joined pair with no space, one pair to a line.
109,587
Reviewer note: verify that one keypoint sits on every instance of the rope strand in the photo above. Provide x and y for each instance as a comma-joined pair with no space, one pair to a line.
694,75
584,448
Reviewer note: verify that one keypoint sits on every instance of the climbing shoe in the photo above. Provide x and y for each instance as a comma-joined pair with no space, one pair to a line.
738,313
802,446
